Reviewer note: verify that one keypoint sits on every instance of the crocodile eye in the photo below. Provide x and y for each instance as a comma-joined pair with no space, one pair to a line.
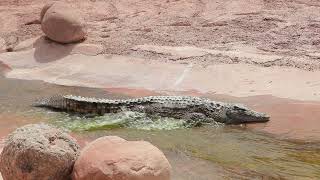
239,108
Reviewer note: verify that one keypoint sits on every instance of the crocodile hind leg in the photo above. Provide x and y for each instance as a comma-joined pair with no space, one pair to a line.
194,119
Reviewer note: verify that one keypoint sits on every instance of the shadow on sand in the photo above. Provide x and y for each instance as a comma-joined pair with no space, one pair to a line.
48,51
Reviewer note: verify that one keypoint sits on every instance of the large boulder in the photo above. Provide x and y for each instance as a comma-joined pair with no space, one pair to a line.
38,151
62,23
113,158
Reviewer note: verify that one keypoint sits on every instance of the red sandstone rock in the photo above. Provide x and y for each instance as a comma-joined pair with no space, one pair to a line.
38,151
113,158
62,23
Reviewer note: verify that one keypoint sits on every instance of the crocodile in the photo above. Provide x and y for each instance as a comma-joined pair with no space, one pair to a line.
193,109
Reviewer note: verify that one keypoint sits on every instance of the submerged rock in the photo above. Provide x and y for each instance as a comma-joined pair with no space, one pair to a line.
62,23
38,151
113,158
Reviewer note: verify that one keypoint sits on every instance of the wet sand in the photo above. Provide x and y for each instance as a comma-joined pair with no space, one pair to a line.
113,71
290,119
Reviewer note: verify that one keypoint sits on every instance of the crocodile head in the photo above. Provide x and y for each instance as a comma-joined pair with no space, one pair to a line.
237,114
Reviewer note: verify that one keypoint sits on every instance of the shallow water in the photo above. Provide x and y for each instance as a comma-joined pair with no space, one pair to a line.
213,152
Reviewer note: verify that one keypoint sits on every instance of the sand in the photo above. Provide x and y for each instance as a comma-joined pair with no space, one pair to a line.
286,31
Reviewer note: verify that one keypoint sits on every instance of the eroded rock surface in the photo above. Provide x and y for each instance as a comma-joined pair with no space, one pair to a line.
38,151
113,158
235,30
62,23
2,45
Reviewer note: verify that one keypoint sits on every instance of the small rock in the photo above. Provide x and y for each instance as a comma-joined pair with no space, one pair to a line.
62,23
113,158
38,151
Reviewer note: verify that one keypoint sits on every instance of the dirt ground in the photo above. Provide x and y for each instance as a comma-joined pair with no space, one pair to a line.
240,31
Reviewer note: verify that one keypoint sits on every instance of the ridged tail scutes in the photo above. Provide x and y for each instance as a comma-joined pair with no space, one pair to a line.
41,102
52,101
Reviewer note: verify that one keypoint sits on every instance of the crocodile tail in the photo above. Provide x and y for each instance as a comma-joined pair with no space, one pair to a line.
56,101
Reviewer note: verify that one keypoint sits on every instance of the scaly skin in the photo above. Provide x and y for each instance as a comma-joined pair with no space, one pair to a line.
180,107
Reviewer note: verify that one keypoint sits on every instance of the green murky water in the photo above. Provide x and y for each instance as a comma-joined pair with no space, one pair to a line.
206,153
120,120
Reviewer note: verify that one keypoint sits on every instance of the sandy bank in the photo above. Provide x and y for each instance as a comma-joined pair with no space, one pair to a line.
105,71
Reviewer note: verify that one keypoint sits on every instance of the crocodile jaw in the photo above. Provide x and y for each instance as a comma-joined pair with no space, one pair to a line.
241,115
